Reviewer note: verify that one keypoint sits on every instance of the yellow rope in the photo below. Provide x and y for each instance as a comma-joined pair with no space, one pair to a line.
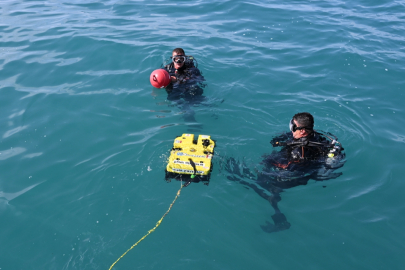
150,231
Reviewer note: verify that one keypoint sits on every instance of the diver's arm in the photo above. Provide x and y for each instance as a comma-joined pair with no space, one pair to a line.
169,68
169,88
197,73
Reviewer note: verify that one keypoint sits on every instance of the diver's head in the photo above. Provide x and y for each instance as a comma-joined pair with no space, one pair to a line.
178,57
302,125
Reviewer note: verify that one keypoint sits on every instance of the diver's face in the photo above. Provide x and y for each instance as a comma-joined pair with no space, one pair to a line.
299,133
178,60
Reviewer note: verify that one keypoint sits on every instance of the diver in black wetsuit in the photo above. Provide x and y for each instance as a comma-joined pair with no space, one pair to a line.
303,144
305,154
185,77
186,86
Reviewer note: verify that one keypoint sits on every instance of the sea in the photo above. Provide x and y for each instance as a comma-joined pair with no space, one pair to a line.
85,138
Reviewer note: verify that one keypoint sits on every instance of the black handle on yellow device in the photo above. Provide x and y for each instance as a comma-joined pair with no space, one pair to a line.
194,168
205,143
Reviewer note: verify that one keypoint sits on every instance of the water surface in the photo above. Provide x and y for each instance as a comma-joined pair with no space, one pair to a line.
85,137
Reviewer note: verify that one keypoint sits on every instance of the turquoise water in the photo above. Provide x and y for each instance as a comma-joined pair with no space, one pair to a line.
85,137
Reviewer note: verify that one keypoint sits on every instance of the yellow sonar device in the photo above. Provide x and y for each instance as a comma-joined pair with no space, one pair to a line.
191,159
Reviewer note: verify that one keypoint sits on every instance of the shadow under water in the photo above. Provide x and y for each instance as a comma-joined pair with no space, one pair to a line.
185,95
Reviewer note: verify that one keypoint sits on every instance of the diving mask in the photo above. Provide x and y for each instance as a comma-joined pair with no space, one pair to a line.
178,59
293,126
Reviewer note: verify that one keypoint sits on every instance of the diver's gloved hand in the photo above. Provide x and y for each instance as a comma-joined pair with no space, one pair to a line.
280,221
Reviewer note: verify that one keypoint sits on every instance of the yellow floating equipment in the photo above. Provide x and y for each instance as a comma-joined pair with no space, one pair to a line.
191,160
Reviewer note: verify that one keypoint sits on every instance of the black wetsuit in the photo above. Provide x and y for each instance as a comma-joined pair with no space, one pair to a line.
188,84
310,148
298,161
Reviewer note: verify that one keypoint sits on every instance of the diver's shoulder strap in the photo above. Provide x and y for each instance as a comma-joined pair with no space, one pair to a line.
191,61
170,69
306,143
280,140
169,66
330,136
